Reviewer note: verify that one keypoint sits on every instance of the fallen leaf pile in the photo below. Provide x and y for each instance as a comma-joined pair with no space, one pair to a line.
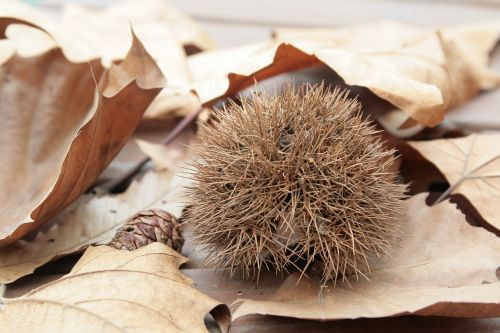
75,87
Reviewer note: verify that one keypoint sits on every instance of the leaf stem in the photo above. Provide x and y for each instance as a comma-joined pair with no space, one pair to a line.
468,176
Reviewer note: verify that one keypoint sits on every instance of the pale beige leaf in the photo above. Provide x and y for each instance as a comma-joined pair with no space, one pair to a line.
25,40
56,137
476,42
172,103
91,220
115,291
445,267
186,30
163,31
423,73
104,34
162,156
472,167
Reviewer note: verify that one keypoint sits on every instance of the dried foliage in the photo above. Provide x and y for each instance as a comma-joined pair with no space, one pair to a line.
295,181
299,176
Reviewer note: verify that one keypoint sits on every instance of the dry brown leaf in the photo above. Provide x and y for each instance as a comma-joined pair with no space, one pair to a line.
423,73
445,267
116,291
91,220
472,167
56,137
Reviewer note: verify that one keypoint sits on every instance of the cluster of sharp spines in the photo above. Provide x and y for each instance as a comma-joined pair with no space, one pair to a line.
297,176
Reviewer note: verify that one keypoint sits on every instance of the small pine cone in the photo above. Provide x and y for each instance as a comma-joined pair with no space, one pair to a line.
149,226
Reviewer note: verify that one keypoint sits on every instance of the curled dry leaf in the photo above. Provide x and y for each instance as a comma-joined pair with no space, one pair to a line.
423,73
55,137
472,167
91,221
445,267
149,293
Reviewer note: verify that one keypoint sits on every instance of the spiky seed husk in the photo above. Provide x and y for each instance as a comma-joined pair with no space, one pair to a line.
300,176
149,226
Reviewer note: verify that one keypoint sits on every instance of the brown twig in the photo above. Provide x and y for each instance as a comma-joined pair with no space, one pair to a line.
119,183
